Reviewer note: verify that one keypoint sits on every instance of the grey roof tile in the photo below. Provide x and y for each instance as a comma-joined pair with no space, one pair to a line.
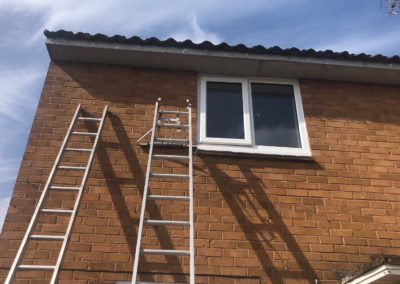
206,45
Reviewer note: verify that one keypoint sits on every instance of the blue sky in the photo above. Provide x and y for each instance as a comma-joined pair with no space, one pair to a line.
356,26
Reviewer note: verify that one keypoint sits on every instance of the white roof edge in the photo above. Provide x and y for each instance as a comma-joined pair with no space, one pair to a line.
222,63
376,274
226,54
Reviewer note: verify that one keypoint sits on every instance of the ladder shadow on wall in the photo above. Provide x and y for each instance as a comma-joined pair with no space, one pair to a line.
123,191
266,234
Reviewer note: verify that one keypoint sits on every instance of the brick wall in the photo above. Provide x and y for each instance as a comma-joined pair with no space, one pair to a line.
257,220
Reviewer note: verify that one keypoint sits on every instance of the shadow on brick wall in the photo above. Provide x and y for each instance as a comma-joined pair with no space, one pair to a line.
261,231
115,186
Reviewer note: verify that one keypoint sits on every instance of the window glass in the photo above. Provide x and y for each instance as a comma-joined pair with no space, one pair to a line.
224,103
274,115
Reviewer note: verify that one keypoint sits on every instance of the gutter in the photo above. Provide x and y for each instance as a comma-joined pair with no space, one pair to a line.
231,63
377,273
223,54
381,267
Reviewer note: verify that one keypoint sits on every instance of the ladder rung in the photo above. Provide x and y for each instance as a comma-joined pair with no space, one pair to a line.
165,252
89,118
79,149
166,223
171,157
171,125
47,237
84,133
169,175
173,112
169,145
72,168
171,140
57,211
167,197
36,267
73,188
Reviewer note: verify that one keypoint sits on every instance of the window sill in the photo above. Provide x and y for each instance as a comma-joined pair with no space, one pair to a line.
271,152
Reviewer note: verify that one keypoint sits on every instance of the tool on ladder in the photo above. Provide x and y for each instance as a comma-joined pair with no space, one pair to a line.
49,186
159,121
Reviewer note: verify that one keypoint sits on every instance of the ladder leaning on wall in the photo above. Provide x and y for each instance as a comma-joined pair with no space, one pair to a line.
160,121
49,187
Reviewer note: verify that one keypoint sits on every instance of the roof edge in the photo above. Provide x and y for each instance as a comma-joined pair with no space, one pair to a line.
207,46
167,49
210,59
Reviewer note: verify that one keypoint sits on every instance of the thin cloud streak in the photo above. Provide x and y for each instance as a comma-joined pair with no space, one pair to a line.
3,209
8,170
19,92
196,33
135,17
365,43
16,98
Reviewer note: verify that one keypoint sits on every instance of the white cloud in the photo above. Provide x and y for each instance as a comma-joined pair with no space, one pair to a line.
120,17
179,17
194,32
24,5
18,99
16,93
8,170
364,43
11,149
3,209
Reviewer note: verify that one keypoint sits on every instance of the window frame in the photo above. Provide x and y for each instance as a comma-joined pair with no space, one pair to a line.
247,145
246,113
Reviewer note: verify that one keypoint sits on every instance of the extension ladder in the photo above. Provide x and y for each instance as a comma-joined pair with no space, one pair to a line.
160,122
49,186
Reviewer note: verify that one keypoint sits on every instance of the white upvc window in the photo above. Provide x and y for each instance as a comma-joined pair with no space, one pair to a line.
244,115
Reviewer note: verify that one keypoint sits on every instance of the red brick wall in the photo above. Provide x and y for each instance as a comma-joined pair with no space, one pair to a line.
257,220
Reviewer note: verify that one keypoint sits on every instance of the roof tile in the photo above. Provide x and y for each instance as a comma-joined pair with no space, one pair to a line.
206,45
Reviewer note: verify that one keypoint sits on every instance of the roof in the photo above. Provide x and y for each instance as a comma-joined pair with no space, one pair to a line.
222,59
206,45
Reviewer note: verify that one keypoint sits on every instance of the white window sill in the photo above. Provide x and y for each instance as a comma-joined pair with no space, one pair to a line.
279,152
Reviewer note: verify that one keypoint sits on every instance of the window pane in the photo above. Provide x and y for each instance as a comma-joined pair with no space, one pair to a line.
275,117
224,110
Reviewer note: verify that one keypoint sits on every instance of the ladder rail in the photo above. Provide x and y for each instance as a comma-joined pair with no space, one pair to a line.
144,200
191,221
148,222
40,203
78,198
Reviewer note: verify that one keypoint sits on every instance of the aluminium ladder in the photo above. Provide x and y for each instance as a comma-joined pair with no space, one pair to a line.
49,186
160,122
